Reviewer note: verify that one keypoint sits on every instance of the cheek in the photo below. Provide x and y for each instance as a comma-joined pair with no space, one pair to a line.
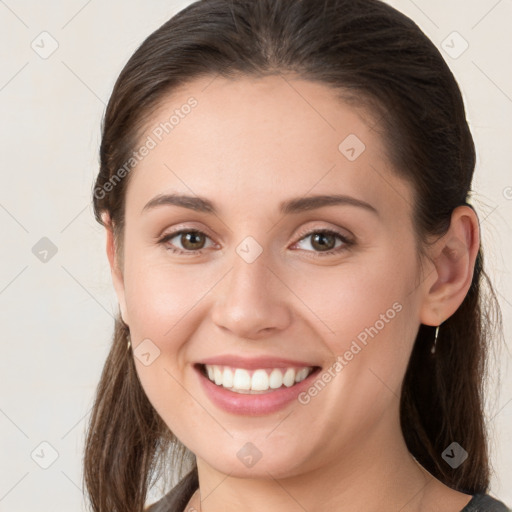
367,317
166,304
369,323
160,295
161,302
349,299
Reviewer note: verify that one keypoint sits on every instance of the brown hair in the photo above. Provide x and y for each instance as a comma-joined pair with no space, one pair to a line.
377,58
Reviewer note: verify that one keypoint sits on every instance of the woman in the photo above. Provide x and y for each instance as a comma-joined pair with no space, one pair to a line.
284,186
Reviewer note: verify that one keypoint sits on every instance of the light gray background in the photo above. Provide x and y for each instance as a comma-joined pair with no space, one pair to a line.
57,316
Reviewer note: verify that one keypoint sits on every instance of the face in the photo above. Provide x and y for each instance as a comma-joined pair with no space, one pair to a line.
323,294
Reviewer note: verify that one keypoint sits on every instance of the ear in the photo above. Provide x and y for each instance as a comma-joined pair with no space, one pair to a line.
453,257
116,272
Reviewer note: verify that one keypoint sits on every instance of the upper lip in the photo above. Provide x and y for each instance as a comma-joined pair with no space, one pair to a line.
254,363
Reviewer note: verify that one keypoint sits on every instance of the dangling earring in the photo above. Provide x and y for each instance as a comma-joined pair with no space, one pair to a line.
433,349
129,342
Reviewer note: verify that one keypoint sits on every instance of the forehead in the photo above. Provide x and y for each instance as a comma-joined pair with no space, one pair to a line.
256,141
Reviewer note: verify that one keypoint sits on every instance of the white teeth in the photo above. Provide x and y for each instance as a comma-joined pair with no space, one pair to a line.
276,379
289,377
241,380
227,378
255,381
217,373
301,374
259,381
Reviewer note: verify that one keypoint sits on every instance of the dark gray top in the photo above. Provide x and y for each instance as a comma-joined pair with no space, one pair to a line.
176,500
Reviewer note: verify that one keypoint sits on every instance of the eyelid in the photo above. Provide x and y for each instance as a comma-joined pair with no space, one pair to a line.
185,227
302,232
342,232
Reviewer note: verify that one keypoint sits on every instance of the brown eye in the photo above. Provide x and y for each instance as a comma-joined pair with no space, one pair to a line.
192,241
323,242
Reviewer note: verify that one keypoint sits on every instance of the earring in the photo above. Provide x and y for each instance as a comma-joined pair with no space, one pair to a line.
129,341
433,349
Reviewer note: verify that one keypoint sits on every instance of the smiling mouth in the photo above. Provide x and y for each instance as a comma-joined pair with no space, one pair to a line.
257,381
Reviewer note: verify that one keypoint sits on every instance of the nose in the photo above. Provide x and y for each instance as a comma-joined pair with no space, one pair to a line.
253,300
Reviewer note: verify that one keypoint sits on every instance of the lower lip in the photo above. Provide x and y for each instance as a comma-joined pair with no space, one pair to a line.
257,404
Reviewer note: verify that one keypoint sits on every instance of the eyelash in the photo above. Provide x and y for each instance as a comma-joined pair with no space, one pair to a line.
347,243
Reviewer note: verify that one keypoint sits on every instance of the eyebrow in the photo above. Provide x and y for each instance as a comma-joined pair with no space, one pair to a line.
290,206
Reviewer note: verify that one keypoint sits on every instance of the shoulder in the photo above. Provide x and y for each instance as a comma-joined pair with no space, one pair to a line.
485,503
178,497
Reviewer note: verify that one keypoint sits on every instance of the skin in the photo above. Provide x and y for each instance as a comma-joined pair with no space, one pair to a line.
248,145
